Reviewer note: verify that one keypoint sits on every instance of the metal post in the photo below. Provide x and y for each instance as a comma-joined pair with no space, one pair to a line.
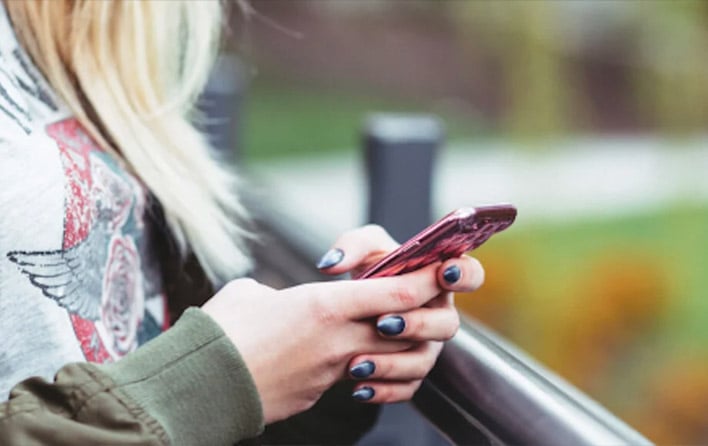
400,153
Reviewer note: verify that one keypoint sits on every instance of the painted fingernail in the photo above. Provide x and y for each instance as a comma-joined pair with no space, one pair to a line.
391,326
331,258
362,370
451,274
363,394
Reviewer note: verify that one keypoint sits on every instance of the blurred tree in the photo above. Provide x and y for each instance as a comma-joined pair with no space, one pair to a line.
672,76
543,47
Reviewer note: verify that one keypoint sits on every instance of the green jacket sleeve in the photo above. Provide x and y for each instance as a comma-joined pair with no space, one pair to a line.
188,386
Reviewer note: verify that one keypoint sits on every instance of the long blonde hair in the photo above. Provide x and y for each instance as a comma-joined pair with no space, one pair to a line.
131,72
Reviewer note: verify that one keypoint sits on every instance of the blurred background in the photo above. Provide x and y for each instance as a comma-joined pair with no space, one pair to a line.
590,116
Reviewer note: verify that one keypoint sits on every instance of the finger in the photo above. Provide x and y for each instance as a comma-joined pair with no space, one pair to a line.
360,299
461,274
422,324
366,244
409,365
385,392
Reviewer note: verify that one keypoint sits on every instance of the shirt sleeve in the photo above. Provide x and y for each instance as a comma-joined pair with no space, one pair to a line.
188,386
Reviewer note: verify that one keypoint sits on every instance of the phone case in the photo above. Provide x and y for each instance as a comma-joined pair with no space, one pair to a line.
458,232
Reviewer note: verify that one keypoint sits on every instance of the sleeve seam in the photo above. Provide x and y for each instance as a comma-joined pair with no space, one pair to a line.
168,365
112,389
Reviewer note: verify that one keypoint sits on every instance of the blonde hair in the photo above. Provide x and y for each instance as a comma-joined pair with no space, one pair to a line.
131,72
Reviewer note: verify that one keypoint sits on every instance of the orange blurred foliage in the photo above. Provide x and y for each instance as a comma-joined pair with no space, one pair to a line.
615,304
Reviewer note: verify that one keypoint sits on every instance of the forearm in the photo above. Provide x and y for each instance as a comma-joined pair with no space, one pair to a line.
188,386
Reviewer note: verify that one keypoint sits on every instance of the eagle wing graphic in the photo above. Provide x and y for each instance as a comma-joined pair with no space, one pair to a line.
72,277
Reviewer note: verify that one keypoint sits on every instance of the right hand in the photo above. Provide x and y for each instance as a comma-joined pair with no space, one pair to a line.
297,342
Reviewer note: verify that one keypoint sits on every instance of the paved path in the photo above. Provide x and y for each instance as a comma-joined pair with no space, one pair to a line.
593,178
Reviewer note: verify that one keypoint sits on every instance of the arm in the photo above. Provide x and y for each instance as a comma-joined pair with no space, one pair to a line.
191,386
188,386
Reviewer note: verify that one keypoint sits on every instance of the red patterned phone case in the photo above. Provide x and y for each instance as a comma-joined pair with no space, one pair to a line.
458,232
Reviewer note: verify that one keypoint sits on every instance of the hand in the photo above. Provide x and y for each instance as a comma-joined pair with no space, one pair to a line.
297,342
391,377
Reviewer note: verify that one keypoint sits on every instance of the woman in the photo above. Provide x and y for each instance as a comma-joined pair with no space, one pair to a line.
98,162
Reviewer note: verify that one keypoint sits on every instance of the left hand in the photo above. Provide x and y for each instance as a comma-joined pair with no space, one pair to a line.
393,377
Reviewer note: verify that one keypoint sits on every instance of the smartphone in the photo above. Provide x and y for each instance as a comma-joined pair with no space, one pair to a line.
456,233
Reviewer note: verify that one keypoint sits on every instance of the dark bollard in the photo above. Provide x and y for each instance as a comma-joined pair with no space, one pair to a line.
221,106
400,154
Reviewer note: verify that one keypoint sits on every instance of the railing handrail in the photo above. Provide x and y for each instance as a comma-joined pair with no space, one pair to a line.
512,398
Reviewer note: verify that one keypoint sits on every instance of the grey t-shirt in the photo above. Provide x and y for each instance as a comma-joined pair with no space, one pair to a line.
77,278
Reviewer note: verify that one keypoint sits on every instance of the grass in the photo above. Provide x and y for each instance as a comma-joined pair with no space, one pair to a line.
290,120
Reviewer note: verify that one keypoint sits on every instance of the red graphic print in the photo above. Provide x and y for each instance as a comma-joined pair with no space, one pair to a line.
74,148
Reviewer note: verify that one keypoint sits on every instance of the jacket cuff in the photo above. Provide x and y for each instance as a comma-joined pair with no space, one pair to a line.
193,381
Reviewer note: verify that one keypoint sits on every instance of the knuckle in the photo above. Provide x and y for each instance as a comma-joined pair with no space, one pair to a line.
385,394
404,294
374,229
416,325
342,354
327,380
322,310
453,326
333,361
385,369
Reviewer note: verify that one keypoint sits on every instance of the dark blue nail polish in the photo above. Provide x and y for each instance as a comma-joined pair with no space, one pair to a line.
391,326
362,370
331,258
451,274
363,394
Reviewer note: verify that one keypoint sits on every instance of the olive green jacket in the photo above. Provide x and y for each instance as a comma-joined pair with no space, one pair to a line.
188,386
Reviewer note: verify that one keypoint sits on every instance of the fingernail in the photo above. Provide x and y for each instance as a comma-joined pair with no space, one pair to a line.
391,326
363,394
362,370
451,274
331,258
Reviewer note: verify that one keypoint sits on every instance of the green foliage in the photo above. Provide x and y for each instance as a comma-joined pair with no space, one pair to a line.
289,120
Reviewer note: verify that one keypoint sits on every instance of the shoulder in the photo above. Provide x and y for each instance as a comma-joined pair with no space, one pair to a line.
15,119
25,96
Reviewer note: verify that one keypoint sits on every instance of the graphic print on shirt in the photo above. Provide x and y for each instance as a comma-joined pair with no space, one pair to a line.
96,276
20,80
